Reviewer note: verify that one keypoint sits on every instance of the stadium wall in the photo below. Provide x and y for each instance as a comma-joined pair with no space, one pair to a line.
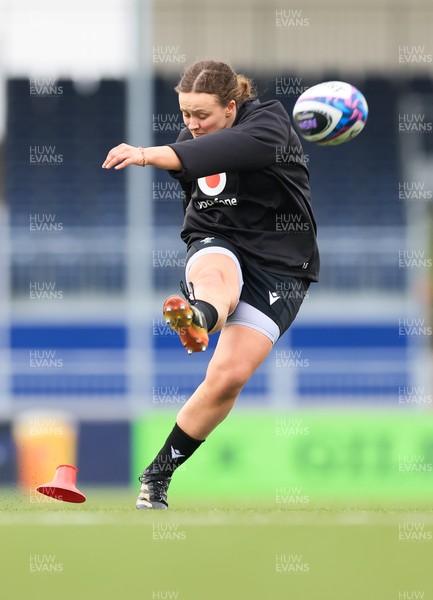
311,37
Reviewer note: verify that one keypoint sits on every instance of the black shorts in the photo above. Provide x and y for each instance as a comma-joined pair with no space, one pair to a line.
268,302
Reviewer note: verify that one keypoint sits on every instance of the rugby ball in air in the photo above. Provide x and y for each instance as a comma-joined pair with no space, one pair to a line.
330,113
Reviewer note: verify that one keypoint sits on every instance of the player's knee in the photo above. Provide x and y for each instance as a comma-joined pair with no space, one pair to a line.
228,379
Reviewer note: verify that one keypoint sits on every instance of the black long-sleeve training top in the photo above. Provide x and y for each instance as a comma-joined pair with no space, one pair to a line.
249,184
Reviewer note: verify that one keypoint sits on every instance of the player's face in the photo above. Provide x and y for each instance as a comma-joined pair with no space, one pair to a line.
203,114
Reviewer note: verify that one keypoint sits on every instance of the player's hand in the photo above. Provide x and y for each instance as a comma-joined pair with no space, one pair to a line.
122,156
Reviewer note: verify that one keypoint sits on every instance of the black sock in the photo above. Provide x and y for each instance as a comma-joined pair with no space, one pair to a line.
178,447
209,311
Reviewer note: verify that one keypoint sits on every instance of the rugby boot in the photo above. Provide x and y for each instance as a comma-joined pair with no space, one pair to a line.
188,322
153,492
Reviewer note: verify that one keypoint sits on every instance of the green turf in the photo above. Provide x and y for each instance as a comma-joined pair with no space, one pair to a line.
106,549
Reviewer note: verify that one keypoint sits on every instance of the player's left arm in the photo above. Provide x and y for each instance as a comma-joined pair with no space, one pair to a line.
124,155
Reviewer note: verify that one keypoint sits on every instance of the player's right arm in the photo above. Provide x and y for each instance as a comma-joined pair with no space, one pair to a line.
124,155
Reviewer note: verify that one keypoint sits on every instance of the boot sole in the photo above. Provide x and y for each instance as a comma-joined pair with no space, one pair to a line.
178,315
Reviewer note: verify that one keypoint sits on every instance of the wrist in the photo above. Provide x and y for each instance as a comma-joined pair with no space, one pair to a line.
143,156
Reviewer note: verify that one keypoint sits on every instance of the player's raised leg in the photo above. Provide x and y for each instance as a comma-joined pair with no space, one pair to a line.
213,296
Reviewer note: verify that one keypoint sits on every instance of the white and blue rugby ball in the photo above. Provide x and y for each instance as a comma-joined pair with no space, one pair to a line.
330,113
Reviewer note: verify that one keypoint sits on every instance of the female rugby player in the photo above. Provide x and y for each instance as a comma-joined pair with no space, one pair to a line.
251,244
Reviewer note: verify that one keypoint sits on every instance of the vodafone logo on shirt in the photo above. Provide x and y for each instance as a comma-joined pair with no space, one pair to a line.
212,186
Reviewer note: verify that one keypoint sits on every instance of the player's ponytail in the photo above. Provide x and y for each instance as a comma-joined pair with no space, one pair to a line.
218,78
246,87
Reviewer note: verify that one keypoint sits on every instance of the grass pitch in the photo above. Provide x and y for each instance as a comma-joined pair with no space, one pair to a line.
246,551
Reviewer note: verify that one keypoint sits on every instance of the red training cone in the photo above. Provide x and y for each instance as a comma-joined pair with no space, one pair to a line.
62,487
